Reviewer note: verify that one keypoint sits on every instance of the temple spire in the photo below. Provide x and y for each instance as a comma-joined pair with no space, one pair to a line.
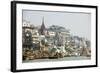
42,29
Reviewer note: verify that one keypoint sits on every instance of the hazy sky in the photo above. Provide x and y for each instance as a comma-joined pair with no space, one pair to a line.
78,23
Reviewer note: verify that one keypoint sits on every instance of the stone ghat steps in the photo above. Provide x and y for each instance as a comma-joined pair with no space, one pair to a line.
29,54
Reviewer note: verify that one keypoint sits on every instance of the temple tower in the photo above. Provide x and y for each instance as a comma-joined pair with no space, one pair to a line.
42,28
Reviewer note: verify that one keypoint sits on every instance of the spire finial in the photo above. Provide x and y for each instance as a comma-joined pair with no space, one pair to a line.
43,20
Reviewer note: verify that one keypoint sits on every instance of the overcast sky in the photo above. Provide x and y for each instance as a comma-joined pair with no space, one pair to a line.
78,23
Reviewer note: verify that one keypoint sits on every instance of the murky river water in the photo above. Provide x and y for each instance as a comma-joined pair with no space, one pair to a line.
59,59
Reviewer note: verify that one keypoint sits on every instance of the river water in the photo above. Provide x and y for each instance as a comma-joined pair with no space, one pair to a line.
59,59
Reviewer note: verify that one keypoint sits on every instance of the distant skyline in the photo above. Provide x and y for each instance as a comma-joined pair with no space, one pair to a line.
78,23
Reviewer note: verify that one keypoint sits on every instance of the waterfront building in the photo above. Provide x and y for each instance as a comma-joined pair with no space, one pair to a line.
60,34
27,34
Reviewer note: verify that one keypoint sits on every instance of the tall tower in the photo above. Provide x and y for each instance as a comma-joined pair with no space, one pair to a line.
42,29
